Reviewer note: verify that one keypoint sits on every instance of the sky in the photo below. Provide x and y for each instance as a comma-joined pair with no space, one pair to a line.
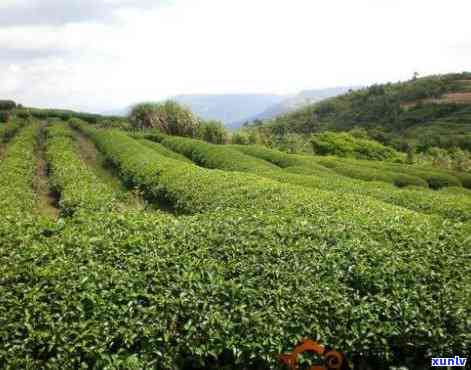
100,55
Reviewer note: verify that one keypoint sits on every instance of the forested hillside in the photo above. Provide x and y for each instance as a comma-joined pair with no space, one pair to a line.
433,111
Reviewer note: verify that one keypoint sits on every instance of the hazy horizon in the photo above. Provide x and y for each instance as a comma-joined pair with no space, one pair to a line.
101,55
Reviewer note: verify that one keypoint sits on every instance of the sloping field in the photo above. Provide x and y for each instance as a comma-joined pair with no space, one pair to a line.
258,249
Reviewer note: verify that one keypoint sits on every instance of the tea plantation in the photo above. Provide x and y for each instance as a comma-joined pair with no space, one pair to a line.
239,252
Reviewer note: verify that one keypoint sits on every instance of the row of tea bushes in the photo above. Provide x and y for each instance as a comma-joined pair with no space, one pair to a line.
160,149
454,205
78,186
185,187
17,172
305,172
216,156
395,173
62,114
308,166
400,175
225,158
456,190
464,177
370,173
154,135
435,178
19,214
288,162
427,201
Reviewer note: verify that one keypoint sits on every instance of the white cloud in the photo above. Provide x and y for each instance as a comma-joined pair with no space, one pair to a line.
58,12
218,46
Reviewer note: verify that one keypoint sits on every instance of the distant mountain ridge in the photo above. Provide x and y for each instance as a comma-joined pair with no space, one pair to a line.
235,109
229,108
296,102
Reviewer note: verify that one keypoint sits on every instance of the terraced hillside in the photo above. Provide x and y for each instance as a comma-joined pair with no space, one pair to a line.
171,253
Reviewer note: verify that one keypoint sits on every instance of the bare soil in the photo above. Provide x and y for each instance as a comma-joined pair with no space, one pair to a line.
456,98
48,201
459,98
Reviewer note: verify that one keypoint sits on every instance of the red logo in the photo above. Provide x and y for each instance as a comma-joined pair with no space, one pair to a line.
333,360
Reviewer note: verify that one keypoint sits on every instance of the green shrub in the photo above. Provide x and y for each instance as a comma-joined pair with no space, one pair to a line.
274,156
169,117
213,132
7,105
240,138
291,143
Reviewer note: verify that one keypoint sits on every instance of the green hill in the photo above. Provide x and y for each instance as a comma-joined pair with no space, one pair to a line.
428,111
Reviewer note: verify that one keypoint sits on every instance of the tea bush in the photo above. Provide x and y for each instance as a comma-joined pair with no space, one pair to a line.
9,130
78,186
